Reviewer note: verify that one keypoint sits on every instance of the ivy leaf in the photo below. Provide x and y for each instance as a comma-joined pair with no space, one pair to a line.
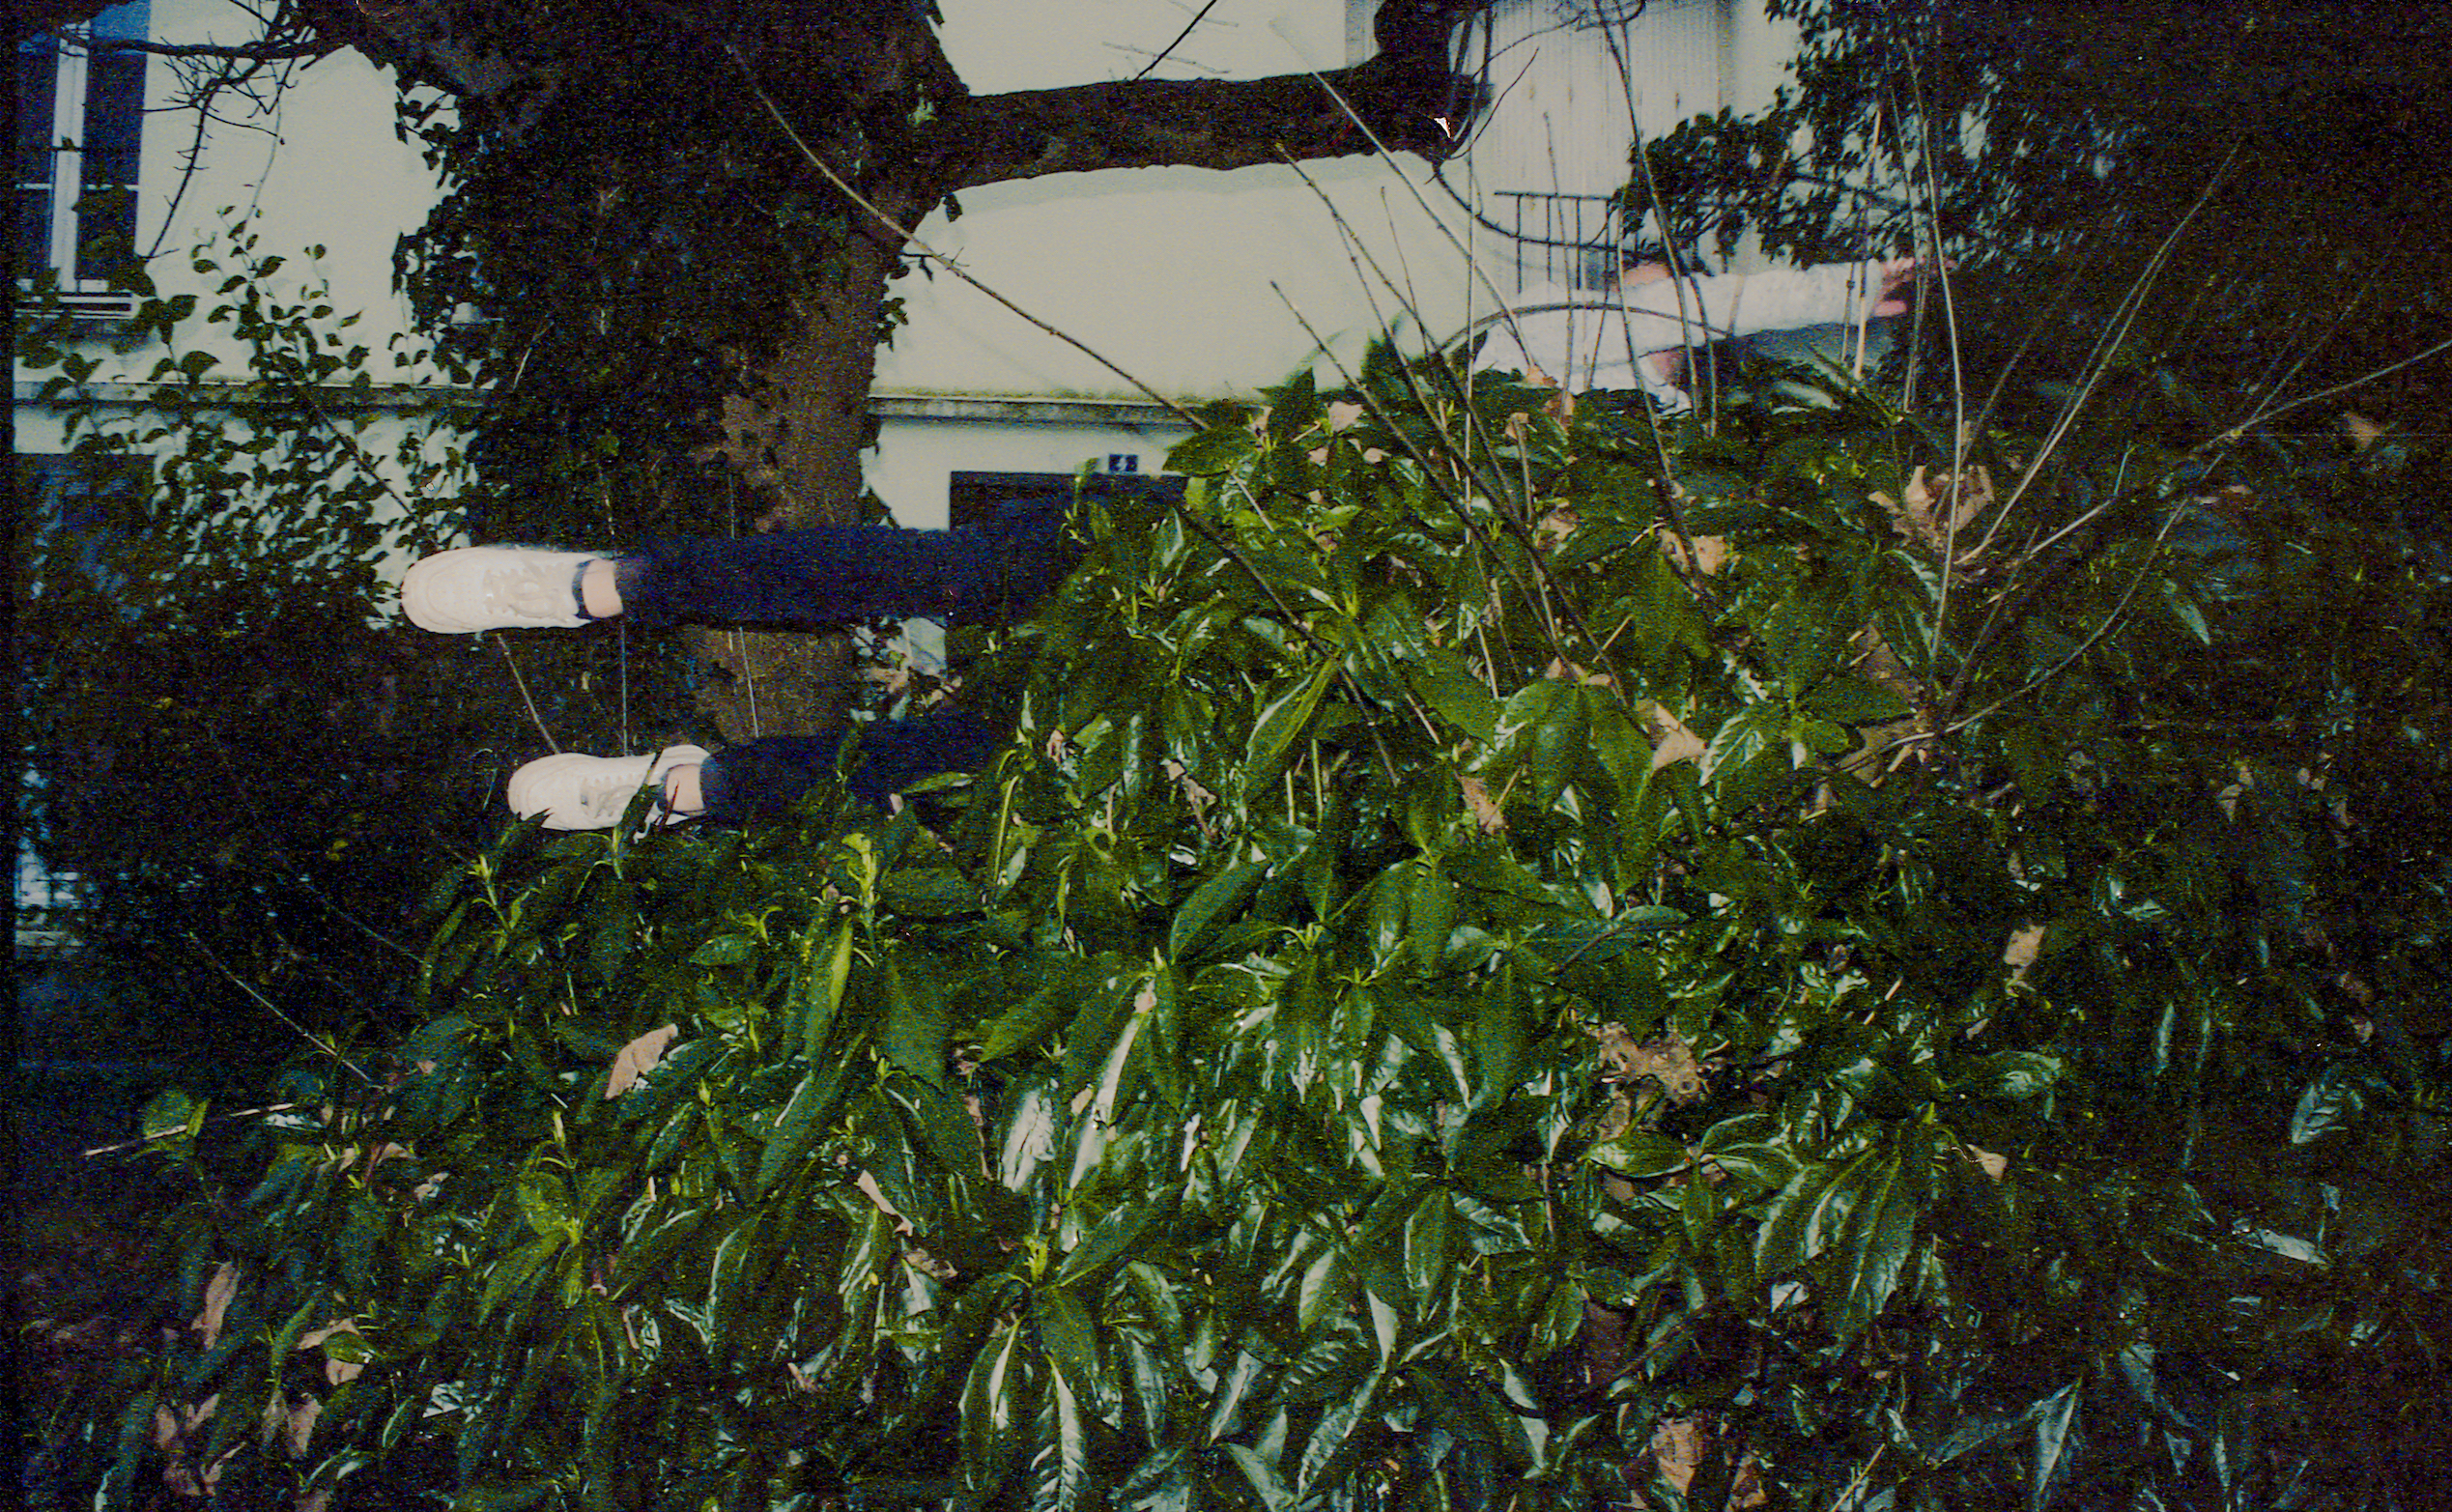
1218,449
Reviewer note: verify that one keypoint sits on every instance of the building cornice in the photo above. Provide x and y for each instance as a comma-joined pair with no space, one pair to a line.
993,409
1023,410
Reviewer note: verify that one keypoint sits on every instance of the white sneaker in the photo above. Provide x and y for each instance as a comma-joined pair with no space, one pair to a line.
496,588
584,792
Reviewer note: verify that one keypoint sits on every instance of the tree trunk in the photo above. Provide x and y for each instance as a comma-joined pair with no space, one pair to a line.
795,436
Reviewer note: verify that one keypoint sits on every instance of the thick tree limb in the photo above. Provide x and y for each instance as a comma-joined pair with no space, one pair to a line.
1409,96
1195,122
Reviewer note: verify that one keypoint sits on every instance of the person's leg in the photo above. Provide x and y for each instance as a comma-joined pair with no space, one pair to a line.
827,576
761,779
754,781
833,575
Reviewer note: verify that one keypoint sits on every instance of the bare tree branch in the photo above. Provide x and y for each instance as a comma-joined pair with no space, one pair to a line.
1188,28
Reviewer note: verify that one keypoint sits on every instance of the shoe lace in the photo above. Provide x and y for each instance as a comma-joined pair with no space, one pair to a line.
612,791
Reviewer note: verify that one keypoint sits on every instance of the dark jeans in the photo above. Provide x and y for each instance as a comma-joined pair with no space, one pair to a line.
761,779
837,575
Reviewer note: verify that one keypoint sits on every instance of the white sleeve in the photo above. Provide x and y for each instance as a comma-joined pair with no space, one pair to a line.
1575,339
1586,341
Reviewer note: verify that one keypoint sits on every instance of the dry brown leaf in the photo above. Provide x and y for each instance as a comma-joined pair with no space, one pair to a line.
1672,741
1561,669
1704,556
1678,1446
637,1057
217,1295
299,1427
928,1264
1993,1166
876,1196
1667,1059
1930,513
172,1424
2026,943
1197,797
1485,810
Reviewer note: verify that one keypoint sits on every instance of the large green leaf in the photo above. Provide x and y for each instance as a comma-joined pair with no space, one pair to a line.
1442,681
916,1029
1885,1196
1277,724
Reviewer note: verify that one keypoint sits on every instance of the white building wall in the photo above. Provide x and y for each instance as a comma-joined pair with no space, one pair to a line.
1199,284
323,167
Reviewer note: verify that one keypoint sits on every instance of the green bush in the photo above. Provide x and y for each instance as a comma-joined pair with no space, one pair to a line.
1511,963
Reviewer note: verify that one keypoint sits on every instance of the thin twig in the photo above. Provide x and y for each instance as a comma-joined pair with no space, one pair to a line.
1198,17
275,1009
522,683
173,1134
2083,646
239,791
2233,435
2106,347
1958,374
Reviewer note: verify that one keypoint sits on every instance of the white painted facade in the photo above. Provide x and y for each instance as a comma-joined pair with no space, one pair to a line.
1200,284
1204,285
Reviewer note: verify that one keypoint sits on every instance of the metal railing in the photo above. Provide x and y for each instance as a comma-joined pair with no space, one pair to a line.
1560,239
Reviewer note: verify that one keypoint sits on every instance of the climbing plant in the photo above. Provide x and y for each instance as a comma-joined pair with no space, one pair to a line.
244,761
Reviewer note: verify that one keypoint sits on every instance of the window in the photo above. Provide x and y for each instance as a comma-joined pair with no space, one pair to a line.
77,506
80,122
